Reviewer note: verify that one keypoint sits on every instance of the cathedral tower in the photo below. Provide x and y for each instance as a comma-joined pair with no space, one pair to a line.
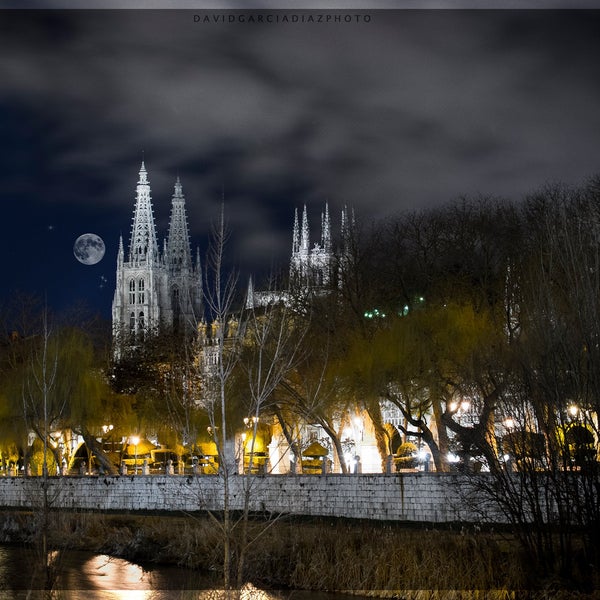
154,290
185,279
312,270
311,267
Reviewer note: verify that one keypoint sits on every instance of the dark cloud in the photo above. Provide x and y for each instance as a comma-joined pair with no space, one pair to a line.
408,110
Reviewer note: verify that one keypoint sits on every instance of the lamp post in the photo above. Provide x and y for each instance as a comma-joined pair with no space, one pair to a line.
135,440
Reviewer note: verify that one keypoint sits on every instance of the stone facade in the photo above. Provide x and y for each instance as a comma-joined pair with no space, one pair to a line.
411,497
155,289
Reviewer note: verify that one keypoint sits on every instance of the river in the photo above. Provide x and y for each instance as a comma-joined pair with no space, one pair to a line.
87,576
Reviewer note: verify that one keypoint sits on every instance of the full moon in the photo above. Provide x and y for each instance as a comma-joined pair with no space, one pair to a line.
89,249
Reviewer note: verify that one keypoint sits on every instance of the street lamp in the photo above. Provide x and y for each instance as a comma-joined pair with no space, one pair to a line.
135,440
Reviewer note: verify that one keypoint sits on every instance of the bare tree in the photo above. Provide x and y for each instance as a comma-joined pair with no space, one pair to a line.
41,414
546,410
220,358
271,338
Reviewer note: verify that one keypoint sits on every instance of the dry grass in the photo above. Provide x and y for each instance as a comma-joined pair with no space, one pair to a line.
379,560
345,556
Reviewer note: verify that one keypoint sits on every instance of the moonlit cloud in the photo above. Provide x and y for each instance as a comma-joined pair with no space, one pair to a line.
408,110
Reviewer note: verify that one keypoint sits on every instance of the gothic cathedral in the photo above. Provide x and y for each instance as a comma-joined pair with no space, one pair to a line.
155,289
163,290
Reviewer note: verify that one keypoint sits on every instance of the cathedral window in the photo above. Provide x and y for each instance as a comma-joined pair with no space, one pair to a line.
132,323
141,294
132,292
141,321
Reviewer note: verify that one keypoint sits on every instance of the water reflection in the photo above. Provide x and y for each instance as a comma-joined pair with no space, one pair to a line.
112,577
85,576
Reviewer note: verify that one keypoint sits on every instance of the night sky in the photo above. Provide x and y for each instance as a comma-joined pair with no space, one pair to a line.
401,110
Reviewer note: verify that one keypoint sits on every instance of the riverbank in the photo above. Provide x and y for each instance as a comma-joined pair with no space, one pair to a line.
369,558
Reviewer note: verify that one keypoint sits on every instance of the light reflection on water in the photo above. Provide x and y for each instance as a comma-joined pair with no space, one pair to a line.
109,578
117,579
85,576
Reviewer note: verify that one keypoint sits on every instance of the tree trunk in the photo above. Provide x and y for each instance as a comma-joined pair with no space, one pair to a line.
441,452
292,443
95,449
337,444
381,435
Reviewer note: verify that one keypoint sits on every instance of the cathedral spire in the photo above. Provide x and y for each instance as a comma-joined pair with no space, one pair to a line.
143,247
178,243
296,234
347,231
250,294
326,230
121,251
178,188
347,227
305,235
143,174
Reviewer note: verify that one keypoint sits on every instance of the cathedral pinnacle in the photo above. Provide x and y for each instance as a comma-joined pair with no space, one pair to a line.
305,236
178,243
143,246
326,230
296,234
143,174
178,189
311,266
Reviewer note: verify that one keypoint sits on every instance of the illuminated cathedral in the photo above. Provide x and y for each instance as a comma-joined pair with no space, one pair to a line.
155,288
161,289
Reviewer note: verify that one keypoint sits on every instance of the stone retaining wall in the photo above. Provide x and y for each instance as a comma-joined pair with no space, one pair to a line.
415,497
